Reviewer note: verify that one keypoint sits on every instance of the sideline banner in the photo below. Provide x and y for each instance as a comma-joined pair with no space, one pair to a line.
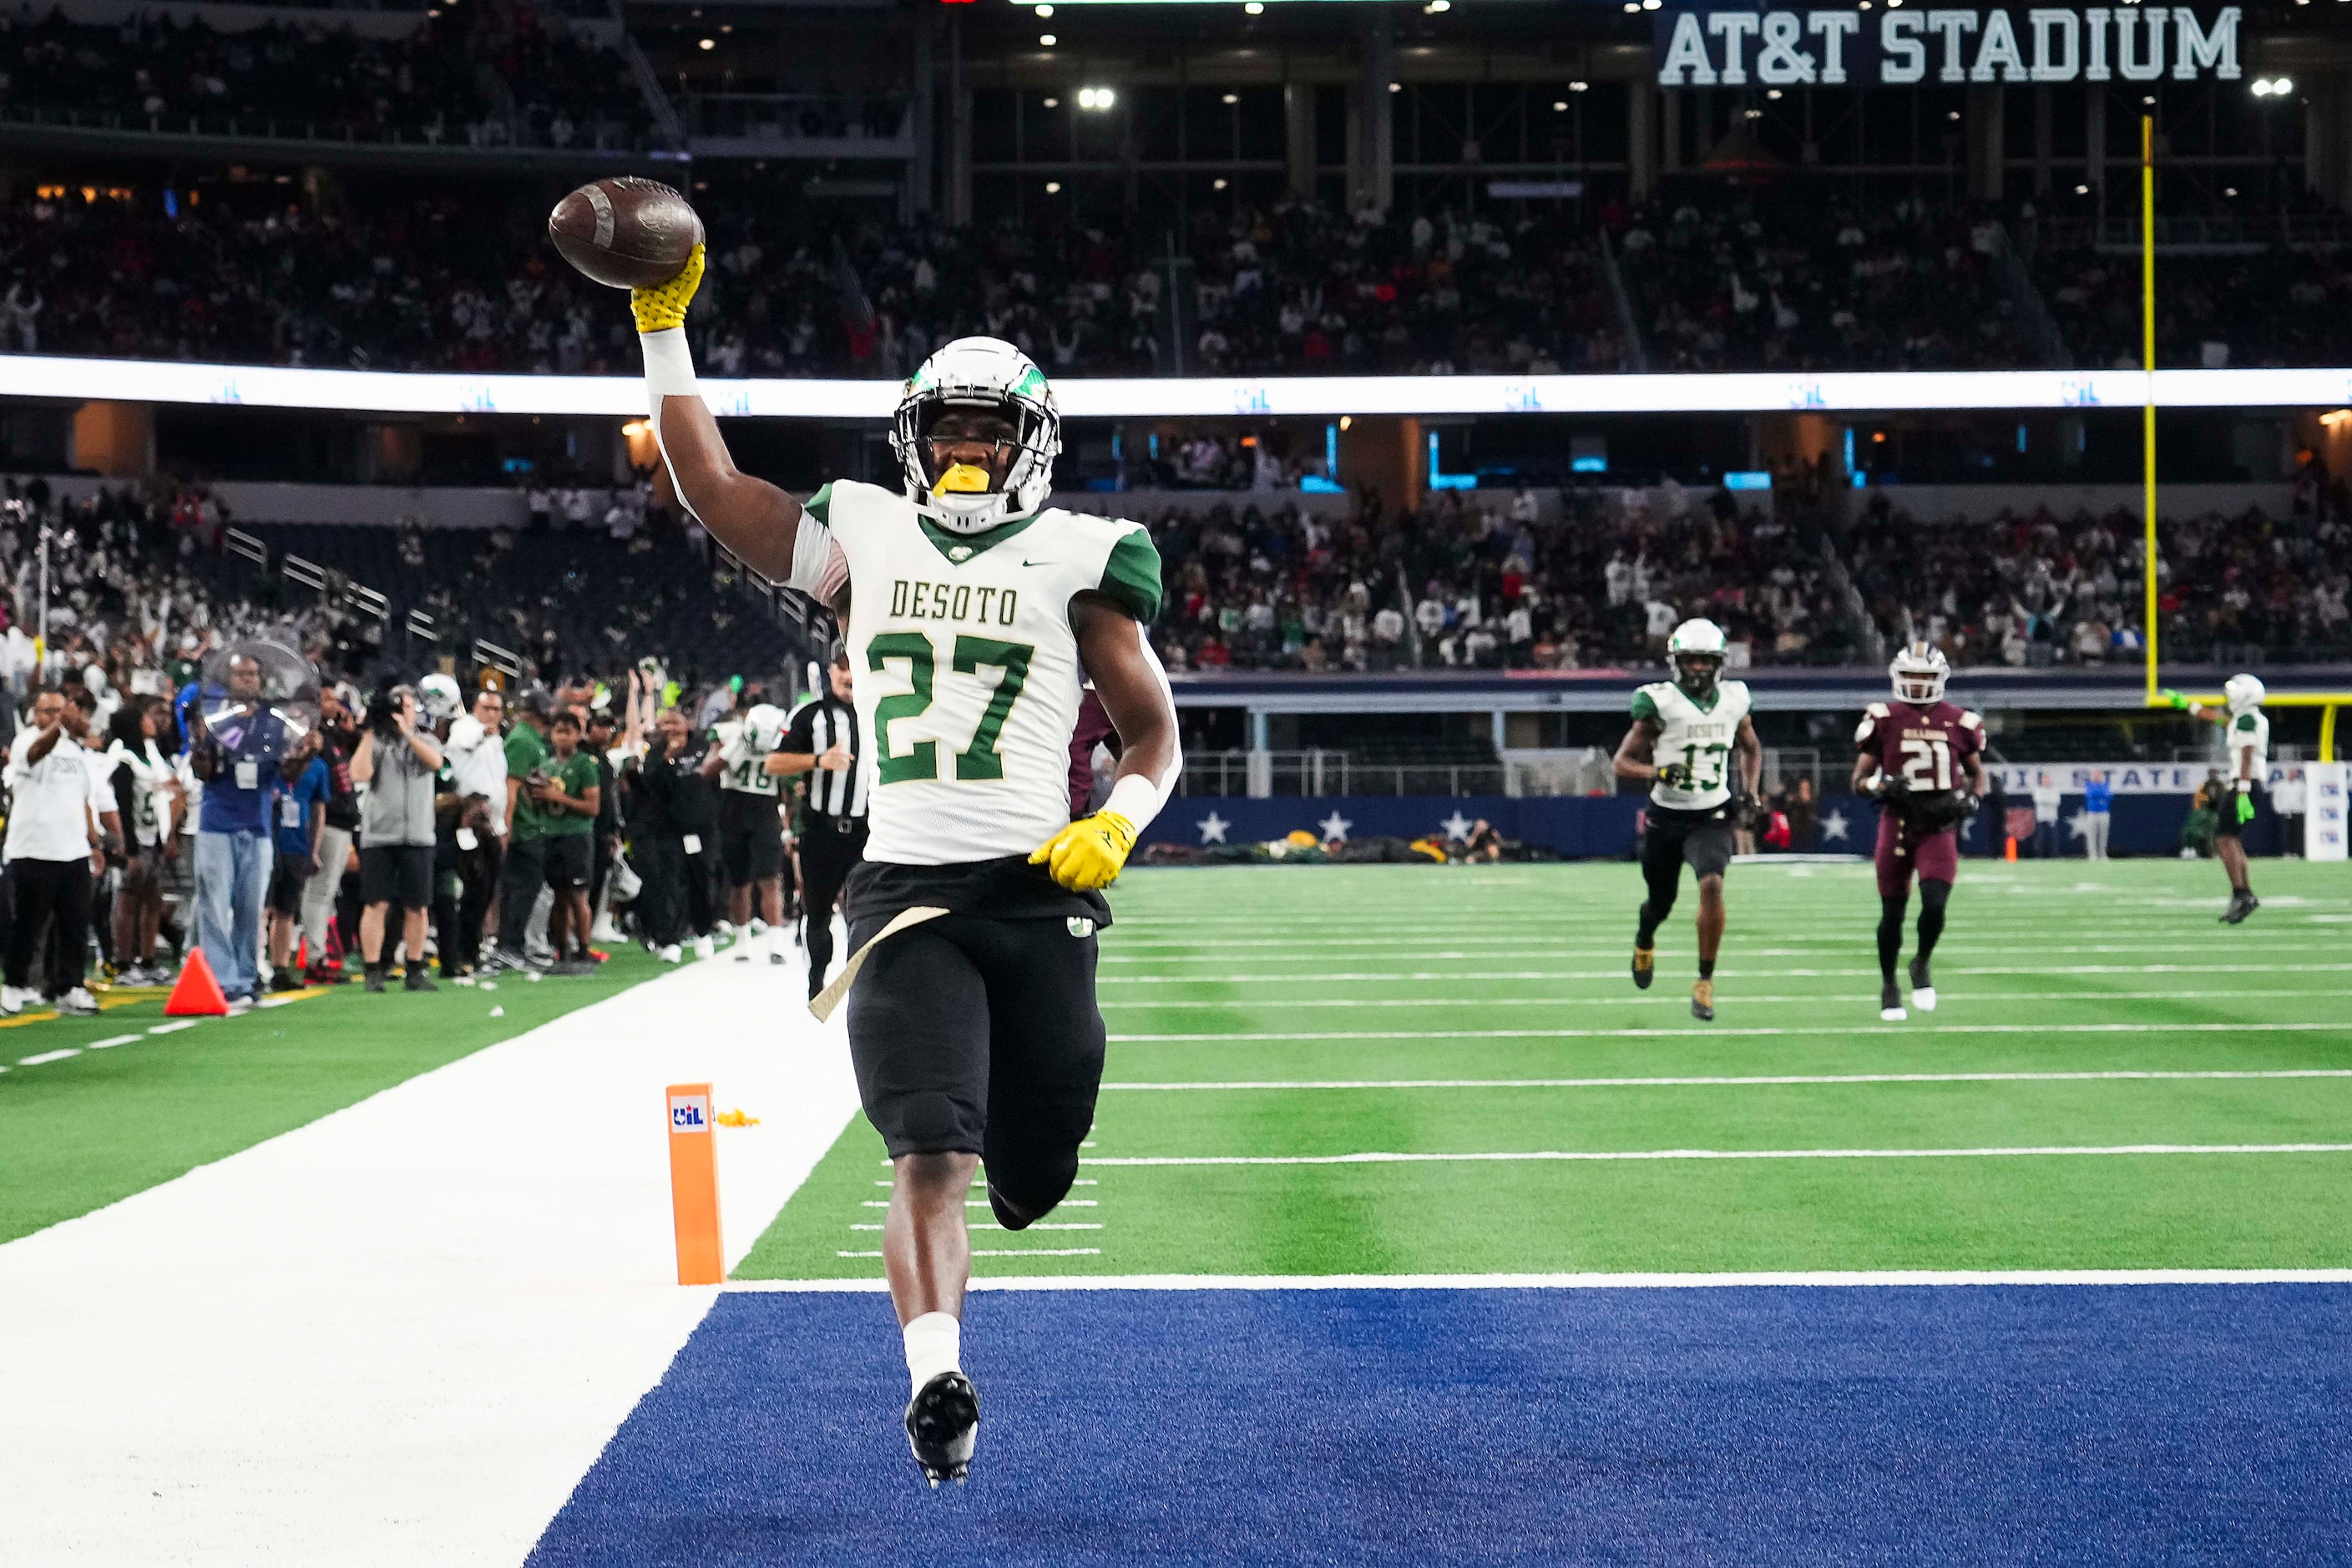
2326,833
1907,47
2018,779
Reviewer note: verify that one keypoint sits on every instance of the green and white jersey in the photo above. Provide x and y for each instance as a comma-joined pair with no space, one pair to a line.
1695,736
967,674
2250,731
743,767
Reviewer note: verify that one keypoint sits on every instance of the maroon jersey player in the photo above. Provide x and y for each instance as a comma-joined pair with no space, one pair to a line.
1920,757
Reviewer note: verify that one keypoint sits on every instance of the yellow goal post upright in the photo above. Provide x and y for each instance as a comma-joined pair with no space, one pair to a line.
2327,702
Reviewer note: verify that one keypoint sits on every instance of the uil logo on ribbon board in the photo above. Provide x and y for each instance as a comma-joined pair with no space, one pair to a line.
690,1113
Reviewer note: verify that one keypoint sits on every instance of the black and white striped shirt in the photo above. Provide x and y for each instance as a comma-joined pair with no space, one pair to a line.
817,727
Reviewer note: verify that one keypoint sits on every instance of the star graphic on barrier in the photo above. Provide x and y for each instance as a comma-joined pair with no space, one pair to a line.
1334,826
2077,827
1457,826
1833,826
1213,829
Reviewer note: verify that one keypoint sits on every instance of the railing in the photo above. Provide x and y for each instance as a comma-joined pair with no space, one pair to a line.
2190,234
486,137
1326,773
786,116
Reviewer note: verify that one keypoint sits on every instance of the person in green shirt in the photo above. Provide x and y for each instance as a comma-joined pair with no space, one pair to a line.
525,870
566,807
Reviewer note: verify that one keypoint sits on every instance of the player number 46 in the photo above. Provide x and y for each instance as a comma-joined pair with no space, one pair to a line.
980,760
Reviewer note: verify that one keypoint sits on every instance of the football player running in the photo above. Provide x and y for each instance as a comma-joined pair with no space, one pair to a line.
972,613
2249,738
1685,734
1921,758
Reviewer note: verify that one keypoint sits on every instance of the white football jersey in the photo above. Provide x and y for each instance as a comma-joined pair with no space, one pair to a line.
1698,738
966,670
743,767
2250,731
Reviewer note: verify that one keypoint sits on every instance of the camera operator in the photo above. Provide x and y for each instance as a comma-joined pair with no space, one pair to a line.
339,737
233,751
397,760
676,840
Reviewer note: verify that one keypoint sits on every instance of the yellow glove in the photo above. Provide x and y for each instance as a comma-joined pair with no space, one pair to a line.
659,310
1088,853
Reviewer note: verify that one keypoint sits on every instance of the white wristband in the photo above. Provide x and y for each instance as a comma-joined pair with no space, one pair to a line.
1136,798
669,367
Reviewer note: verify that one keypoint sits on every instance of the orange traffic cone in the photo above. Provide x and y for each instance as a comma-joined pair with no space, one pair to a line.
197,995
2009,849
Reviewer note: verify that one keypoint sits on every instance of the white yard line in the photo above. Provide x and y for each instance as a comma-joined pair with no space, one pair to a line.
1678,999
1758,1081
400,1335
1617,1154
1705,1033
36,1060
1455,975
1483,951
1830,1279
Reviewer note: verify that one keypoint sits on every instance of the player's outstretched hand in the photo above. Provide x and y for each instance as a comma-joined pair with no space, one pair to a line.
658,310
2179,702
1089,853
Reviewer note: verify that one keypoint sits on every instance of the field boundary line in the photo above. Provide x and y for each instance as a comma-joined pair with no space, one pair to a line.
1540,1155
2122,1074
1456,975
1827,1278
2117,1028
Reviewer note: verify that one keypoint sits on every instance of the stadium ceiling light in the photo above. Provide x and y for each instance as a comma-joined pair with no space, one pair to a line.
1218,184
1434,7
1053,187
2082,190
1096,98
708,44
1253,9
1396,87
1233,98
1053,104
1559,105
2229,190
1755,114
1048,39
1043,12
1772,92
1951,114
1651,4
1578,86
1633,6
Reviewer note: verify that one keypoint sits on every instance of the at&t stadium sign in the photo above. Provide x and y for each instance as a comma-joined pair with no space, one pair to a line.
1905,47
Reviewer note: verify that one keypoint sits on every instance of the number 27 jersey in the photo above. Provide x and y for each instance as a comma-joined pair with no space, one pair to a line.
1928,747
966,668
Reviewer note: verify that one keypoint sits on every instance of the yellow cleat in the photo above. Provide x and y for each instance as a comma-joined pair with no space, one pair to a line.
1703,1001
1645,963
1089,853
659,309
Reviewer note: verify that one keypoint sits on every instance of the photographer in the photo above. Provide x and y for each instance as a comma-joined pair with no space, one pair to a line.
339,738
397,760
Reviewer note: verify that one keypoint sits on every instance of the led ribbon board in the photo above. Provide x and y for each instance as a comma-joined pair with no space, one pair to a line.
1860,392
1907,46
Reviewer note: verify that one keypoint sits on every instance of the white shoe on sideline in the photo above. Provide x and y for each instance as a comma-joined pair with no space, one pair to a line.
78,1003
606,931
671,955
704,947
15,999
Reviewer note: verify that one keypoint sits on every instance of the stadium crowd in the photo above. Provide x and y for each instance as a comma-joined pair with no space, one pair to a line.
489,74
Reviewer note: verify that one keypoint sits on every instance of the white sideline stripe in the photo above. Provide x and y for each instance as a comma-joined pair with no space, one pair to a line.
1740,1082
988,1227
112,1040
399,1335
34,1061
174,1027
1596,950
1826,1278
1704,1033
1584,1154
999,1252
2039,970
1677,999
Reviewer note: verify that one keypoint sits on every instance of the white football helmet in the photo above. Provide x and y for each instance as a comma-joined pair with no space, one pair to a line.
1919,672
990,374
439,696
763,727
2244,693
1687,650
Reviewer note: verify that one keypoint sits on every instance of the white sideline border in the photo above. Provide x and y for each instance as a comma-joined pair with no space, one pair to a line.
1829,1278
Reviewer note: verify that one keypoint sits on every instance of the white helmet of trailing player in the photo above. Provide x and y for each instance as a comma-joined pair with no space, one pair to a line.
2243,692
987,375
439,696
1919,672
1694,653
763,727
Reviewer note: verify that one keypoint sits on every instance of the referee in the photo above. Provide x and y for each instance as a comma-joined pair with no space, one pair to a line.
821,741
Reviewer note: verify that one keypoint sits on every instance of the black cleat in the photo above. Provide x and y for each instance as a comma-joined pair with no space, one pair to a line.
1703,1001
2241,906
943,1421
1890,1002
1645,966
1922,986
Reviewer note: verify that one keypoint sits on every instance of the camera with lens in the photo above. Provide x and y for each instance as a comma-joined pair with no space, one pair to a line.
382,717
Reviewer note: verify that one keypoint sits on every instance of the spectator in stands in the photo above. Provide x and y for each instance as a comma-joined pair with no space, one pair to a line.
234,750
397,759
53,849
300,819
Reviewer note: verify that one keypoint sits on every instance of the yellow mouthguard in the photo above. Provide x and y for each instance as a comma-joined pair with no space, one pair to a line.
962,479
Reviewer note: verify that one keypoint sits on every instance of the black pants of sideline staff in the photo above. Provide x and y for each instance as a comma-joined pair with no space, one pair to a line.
522,878
47,889
676,898
831,847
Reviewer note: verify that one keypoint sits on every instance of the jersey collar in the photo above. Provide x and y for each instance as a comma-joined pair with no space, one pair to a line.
959,548
1714,696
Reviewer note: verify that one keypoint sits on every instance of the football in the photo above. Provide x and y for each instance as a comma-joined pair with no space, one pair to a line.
626,233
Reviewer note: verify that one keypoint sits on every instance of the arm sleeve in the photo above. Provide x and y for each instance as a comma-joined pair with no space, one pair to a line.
815,553
1868,739
799,732
1645,706
515,770
1131,575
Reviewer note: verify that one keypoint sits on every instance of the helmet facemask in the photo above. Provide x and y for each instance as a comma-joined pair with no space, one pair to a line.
973,454
1919,674
1697,673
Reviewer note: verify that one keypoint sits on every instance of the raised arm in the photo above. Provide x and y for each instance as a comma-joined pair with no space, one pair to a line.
758,522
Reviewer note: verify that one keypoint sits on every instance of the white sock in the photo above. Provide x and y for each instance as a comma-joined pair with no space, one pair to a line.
934,1345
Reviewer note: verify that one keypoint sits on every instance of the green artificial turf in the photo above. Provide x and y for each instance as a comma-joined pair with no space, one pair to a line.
84,1131
1269,979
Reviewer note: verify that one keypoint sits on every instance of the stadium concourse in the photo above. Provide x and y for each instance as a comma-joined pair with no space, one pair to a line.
1407,1232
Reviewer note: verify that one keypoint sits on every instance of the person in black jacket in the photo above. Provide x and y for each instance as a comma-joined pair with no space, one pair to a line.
678,840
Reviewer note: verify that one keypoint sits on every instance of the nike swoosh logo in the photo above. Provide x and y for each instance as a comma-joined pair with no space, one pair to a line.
1027,562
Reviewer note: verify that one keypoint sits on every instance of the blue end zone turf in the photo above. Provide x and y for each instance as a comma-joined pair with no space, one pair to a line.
1960,1424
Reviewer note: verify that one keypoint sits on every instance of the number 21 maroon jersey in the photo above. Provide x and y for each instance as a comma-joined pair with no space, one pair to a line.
1928,749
